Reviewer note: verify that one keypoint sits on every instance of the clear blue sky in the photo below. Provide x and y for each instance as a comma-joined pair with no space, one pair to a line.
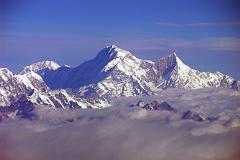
204,33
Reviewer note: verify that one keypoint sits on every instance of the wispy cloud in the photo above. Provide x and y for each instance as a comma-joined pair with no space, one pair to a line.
219,44
132,43
93,44
165,44
199,24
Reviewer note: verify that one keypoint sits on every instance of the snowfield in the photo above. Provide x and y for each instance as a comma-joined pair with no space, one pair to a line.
131,133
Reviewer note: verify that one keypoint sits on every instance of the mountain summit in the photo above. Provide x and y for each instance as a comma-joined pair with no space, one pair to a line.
111,52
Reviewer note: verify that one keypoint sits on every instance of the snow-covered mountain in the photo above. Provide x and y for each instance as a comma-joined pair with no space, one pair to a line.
174,73
30,84
13,86
116,72
113,72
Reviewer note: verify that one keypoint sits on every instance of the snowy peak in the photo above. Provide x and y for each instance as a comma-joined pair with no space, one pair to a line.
113,57
39,66
112,52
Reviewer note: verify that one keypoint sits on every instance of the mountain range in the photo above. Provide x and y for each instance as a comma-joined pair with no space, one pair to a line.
114,72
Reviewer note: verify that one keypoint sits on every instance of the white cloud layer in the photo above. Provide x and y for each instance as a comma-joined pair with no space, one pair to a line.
121,132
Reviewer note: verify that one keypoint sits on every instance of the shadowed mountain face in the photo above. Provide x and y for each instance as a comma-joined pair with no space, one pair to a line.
113,72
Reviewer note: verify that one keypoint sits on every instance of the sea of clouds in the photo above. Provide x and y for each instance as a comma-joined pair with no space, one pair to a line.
130,133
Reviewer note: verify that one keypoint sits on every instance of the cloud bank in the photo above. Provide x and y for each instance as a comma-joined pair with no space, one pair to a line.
121,132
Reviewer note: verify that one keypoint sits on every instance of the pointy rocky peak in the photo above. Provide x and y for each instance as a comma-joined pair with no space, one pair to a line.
173,56
171,62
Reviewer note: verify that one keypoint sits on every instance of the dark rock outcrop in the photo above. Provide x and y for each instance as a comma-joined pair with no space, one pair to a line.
22,108
155,105
140,103
194,116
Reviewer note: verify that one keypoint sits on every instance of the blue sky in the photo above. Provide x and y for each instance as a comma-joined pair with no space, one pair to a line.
204,33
